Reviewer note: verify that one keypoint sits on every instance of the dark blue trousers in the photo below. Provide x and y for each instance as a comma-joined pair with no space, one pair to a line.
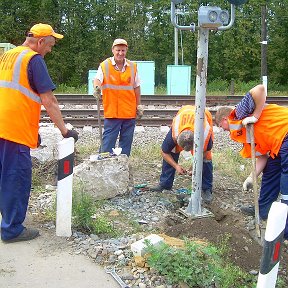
168,173
114,127
15,186
275,181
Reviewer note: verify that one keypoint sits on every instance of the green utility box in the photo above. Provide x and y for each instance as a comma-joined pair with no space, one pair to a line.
146,72
5,47
91,76
178,79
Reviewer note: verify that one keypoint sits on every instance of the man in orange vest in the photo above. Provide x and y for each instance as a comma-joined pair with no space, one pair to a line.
181,137
24,85
271,145
120,85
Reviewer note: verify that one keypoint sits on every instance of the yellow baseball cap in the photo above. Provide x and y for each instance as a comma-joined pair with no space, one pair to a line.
42,30
119,41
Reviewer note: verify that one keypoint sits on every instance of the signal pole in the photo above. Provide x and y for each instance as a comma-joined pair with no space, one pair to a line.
264,46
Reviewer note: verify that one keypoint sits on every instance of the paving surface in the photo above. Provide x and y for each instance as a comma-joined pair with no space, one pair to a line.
46,262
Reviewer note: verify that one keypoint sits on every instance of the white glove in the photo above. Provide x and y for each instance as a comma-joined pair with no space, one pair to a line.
249,120
97,92
140,111
248,184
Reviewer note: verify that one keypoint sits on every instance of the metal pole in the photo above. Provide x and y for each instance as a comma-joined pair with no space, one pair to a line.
176,44
264,46
194,206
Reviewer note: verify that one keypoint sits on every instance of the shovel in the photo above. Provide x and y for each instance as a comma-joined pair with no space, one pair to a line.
97,95
254,178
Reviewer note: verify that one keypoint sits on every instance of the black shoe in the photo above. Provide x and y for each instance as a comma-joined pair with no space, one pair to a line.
248,210
207,196
158,188
25,235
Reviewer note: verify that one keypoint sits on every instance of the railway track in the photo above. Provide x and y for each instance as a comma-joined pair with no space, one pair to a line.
85,99
153,116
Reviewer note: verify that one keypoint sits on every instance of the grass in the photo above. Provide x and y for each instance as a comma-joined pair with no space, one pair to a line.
65,89
197,265
222,87
231,164
216,87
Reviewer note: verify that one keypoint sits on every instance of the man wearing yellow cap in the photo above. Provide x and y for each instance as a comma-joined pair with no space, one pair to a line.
120,85
25,84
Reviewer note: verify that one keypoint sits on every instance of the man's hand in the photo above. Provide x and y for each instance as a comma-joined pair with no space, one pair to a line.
97,92
71,133
140,111
249,120
248,184
180,170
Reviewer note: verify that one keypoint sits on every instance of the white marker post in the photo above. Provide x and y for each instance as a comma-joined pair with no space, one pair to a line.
64,187
272,245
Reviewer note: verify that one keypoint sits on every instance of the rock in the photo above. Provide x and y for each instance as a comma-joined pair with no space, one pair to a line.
100,181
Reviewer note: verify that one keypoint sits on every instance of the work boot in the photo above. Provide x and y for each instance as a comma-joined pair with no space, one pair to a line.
248,210
158,188
207,196
26,235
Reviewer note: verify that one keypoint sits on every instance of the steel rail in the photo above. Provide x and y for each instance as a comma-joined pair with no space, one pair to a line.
81,118
211,100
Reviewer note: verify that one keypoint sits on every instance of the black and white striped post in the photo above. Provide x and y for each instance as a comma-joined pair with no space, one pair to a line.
272,245
64,187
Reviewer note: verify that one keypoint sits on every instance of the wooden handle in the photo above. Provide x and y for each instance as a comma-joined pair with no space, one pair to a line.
250,128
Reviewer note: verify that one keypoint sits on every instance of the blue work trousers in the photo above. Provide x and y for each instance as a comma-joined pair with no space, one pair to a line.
15,186
114,127
168,173
275,181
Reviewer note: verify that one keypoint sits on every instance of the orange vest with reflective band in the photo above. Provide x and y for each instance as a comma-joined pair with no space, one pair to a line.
119,99
184,120
269,131
20,106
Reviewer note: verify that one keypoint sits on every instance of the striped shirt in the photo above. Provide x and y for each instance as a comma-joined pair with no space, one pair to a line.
246,107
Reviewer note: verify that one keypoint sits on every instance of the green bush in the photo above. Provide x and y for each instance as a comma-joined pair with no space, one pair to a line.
197,265
85,218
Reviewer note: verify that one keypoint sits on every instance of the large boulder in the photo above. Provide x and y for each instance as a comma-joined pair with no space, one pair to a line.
105,178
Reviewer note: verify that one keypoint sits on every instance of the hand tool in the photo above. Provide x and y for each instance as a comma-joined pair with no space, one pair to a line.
116,277
254,177
97,95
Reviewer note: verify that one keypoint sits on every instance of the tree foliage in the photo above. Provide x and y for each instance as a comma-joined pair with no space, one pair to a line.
90,26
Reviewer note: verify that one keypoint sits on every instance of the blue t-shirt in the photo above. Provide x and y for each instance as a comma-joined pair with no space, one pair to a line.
168,143
246,107
38,75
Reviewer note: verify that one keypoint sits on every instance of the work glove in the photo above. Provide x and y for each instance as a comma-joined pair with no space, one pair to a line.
72,133
97,92
248,184
249,120
140,111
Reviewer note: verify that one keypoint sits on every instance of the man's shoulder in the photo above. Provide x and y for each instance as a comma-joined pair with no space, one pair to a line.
109,59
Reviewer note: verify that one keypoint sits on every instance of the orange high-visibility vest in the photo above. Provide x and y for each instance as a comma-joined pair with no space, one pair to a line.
269,131
184,120
20,106
119,99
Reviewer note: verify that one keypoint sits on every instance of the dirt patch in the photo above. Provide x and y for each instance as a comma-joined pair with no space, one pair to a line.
241,246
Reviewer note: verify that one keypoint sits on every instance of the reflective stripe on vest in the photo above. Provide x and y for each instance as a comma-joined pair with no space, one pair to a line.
14,84
119,87
119,97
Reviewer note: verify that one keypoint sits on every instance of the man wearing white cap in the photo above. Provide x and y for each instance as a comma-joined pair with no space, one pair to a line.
25,84
120,85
